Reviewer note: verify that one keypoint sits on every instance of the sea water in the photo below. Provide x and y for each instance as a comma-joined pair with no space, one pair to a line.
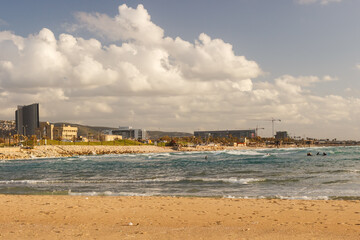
259,173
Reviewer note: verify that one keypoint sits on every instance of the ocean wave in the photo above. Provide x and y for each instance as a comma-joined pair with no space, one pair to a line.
23,181
336,182
280,197
242,152
235,180
108,193
343,171
156,154
303,197
114,181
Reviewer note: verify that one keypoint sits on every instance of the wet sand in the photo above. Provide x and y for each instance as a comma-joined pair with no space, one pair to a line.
82,217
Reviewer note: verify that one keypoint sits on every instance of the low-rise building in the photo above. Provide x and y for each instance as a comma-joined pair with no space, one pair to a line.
109,137
226,134
65,133
130,133
7,125
45,131
281,135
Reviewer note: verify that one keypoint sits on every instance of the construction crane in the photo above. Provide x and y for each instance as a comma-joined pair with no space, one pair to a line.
272,122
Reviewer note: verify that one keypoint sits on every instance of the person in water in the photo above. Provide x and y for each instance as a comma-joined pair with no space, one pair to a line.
309,154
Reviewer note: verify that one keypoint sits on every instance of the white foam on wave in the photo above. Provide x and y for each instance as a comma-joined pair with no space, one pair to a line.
33,182
233,180
155,154
279,197
228,180
242,152
108,193
242,180
303,197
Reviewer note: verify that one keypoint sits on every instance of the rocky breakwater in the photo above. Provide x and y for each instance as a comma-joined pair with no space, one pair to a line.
74,150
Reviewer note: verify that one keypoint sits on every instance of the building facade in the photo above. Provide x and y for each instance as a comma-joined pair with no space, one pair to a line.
108,138
27,119
226,134
281,135
45,131
65,133
130,133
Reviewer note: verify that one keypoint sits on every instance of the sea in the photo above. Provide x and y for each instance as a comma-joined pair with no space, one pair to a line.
284,173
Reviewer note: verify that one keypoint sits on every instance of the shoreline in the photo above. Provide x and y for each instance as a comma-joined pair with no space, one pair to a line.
56,151
97,217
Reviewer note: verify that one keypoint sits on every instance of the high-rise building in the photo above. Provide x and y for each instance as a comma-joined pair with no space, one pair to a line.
27,119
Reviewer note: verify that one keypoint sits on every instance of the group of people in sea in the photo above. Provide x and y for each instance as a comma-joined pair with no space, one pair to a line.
318,153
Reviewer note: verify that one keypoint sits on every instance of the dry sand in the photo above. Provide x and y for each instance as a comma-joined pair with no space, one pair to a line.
81,217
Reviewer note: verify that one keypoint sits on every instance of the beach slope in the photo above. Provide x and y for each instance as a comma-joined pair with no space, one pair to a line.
97,217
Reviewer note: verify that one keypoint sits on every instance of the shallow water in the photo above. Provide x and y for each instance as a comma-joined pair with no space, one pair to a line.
264,173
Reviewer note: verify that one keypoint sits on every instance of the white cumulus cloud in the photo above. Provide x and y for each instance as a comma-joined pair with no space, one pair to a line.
146,79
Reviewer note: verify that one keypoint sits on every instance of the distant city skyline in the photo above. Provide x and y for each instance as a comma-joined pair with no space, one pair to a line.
185,65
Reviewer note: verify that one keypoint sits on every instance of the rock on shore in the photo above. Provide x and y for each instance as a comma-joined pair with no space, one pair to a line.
73,150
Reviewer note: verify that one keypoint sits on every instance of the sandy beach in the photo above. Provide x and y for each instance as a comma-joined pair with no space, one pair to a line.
86,217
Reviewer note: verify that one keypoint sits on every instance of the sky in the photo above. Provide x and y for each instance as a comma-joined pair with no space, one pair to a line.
185,65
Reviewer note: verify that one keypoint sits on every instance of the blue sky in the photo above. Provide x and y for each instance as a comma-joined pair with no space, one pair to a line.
306,54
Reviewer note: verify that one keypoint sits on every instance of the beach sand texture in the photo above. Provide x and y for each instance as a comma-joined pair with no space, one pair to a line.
97,217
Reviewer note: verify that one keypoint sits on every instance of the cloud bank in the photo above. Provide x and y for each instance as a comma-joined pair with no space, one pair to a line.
146,79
